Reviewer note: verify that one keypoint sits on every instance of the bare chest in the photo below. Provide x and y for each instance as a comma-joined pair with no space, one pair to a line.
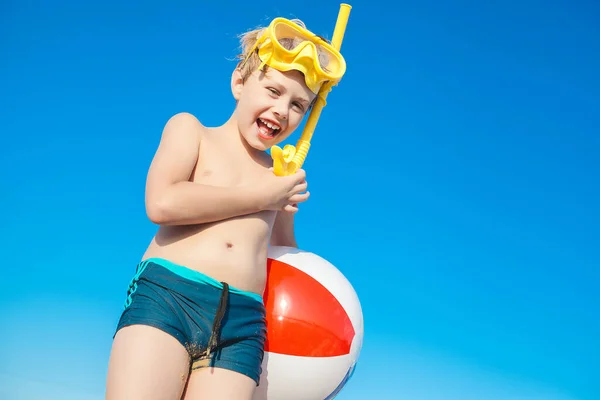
222,165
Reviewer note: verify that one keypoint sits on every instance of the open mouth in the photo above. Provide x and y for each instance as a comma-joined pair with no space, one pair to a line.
267,129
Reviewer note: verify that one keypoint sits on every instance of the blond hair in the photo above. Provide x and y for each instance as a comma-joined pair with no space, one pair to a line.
249,39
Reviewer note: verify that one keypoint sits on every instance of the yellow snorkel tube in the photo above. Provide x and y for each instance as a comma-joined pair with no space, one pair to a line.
288,160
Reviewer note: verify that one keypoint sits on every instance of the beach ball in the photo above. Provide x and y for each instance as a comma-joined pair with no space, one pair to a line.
314,328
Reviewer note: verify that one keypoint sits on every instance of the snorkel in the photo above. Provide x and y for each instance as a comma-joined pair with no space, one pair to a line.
288,160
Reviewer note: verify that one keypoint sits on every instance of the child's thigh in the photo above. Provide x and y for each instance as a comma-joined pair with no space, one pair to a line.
146,363
219,384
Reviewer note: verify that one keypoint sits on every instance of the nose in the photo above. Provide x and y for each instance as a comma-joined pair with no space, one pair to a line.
281,110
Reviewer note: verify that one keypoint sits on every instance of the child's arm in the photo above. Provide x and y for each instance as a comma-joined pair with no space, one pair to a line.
171,199
282,233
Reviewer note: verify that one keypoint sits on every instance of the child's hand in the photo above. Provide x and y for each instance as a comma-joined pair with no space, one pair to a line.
283,193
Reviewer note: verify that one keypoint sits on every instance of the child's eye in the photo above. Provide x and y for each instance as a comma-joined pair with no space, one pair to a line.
274,91
299,106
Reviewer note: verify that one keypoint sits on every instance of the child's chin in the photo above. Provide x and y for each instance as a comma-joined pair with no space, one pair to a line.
259,144
260,147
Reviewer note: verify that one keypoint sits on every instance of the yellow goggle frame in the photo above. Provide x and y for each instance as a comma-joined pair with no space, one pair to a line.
304,57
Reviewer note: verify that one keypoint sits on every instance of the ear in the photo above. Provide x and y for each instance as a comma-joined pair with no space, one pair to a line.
237,84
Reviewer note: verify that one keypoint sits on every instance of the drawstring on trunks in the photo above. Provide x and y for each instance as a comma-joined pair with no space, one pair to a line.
213,342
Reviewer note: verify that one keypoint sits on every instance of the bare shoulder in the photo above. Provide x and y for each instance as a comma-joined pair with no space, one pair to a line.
183,124
177,153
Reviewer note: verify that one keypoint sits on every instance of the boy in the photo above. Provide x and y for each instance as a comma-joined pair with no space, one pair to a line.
194,322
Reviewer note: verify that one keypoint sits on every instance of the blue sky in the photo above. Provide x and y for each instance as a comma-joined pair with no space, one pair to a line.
462,203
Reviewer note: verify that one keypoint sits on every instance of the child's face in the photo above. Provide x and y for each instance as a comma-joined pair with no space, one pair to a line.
271,105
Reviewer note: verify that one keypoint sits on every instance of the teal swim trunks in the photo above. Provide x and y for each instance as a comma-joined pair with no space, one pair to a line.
219,325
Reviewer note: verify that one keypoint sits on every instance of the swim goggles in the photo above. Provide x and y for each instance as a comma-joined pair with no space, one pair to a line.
306,56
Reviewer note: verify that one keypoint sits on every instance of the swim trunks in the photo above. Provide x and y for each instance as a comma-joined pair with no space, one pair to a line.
219,325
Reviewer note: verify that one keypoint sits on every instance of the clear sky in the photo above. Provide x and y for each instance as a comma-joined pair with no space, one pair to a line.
454,178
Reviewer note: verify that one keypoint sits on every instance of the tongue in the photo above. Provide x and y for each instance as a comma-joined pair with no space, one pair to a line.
265,130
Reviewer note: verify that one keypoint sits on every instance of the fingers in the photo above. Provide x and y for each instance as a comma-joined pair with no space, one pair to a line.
300,188
291,208
300,175
299,198
297,177
298,192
